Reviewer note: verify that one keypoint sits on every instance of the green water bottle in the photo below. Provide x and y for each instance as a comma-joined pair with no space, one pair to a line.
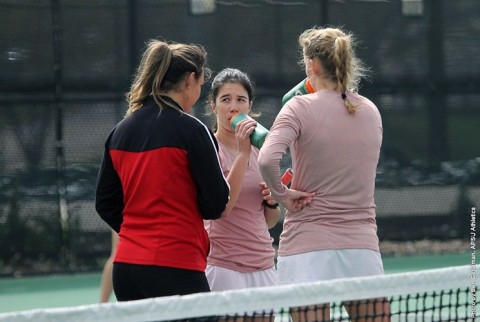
259,133
302,88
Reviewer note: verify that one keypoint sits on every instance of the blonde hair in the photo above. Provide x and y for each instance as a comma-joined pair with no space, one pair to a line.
162,67
334,48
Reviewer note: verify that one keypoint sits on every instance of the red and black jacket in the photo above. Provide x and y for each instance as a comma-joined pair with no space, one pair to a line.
160,177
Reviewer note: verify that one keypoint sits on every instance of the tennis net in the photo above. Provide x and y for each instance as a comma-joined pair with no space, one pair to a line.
447,294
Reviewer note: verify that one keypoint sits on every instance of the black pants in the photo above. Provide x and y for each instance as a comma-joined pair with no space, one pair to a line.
136,282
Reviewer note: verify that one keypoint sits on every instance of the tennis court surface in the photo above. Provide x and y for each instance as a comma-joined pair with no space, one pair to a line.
418,288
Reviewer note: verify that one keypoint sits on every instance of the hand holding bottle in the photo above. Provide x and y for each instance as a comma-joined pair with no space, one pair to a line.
243,131
258,134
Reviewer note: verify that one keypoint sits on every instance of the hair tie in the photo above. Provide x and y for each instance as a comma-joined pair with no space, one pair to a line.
344,96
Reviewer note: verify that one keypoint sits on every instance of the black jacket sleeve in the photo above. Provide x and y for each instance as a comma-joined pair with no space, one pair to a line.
213,189
109,193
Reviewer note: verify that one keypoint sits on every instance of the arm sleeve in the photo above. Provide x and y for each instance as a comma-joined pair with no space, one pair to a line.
109,193
212,186
284,132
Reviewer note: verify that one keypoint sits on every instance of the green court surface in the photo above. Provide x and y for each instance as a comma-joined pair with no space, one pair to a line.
27,293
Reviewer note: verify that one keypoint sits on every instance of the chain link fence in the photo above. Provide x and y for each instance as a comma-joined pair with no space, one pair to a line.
66,64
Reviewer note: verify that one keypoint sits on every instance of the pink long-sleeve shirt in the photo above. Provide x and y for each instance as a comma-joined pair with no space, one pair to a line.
335,155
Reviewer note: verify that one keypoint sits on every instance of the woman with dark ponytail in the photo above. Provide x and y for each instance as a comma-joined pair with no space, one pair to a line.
334,135
160,178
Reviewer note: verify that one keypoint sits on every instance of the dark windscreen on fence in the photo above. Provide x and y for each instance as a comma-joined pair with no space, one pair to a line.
66,65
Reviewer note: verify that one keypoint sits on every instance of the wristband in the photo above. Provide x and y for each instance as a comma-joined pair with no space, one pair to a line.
275,206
